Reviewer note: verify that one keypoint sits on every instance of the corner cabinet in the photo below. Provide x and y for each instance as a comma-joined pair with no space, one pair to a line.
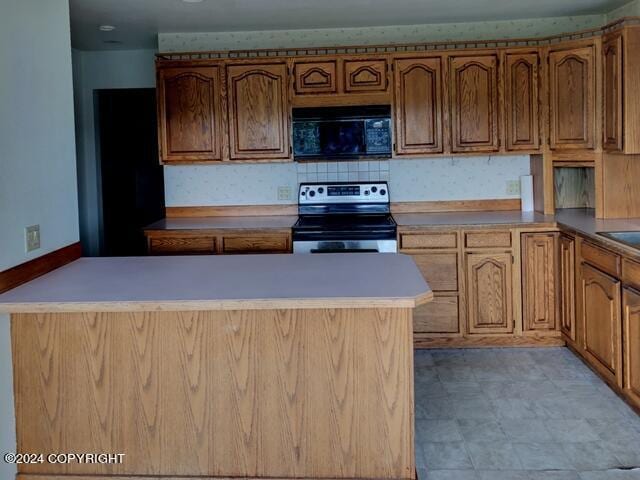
572,102
539,282
258,111
489,292
522,122
418,105
631,335
190,120
474,103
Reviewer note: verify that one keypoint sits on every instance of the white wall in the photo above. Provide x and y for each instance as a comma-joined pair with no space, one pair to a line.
37,153
627,10
95,71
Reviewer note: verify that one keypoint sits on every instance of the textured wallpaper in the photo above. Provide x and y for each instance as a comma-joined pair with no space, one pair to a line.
447,178
193,42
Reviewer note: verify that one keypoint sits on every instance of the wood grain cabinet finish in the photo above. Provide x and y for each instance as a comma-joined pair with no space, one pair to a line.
572,89
567,296
440,270
440,316
602,324
182,245
539,281
365,76
521,101
612,93
474,103
489,292
418,105
256,244
258,111
631,335
190,123
315,77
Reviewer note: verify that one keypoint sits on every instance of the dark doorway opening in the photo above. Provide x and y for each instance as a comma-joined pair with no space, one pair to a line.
132,183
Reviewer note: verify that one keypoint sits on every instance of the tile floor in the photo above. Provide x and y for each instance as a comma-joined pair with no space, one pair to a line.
520,414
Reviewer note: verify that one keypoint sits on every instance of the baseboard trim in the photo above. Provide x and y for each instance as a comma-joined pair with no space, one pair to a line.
37,267
499,204
495,341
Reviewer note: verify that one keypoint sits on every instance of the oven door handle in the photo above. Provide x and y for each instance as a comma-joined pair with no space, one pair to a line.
344,250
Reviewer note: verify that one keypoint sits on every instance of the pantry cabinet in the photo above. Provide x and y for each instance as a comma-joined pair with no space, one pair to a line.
521,101
601,322
572,98
567,295
539,282
258,111
190,114
631,335
473,88
418,105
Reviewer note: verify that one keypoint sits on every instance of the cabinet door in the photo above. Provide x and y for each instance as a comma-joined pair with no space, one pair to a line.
602,325
572,98
315,77
365,76
612,88
521,101
567,304
418,105
539,285
189,109
258,111
474,103
439,316
489,291
631,335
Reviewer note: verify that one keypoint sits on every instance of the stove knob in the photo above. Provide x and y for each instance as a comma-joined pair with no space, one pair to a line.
312,193
383,192
321,190
374,189
303,193
366,192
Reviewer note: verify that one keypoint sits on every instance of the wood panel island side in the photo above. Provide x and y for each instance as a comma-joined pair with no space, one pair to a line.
259,366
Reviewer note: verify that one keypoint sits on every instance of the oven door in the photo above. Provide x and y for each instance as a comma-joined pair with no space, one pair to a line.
345,246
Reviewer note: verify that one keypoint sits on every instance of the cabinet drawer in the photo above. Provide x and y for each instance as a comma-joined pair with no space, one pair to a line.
598,257
487,239
256,244
631,272
439,269
438,316
429,240
182,245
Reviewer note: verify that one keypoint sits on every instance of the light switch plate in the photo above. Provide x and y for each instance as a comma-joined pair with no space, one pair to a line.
513,187
32,237
284,193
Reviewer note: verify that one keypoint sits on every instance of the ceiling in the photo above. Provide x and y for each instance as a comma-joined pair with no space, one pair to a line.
139,21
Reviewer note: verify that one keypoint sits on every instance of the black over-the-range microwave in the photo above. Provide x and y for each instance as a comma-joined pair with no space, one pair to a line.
342,133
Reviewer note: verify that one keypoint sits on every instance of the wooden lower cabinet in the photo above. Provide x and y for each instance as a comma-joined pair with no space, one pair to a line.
235,242
440,316
489,292
539,282
601,322
631,335
180,245
567,278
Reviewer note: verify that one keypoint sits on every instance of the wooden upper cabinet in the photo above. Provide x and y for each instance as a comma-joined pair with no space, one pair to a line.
490,292
521,101
418,105
474,103
631,335
572,90
601,322
315,77
365,76
539,282
612,92
190,123
258,111
567,276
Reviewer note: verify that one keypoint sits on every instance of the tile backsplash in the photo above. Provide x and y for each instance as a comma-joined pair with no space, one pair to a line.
343,171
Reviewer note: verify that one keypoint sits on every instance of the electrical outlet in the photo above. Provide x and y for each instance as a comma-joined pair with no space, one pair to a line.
32,237
513,187
284,193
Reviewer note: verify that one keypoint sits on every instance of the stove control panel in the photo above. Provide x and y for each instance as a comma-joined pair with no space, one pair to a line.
358,192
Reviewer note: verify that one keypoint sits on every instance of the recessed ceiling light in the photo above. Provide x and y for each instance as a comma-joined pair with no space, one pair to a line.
107,28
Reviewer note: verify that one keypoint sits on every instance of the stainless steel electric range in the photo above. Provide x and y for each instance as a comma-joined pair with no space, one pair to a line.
344,217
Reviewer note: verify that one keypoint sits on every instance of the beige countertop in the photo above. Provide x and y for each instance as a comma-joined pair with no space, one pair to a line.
489,218
233,282
277,222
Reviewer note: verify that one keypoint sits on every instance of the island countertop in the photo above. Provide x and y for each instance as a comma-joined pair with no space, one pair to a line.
246,282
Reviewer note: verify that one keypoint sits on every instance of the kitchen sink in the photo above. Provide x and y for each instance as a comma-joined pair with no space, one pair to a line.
631,239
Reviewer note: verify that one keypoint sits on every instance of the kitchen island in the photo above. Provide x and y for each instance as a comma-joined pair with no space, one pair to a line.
260,366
